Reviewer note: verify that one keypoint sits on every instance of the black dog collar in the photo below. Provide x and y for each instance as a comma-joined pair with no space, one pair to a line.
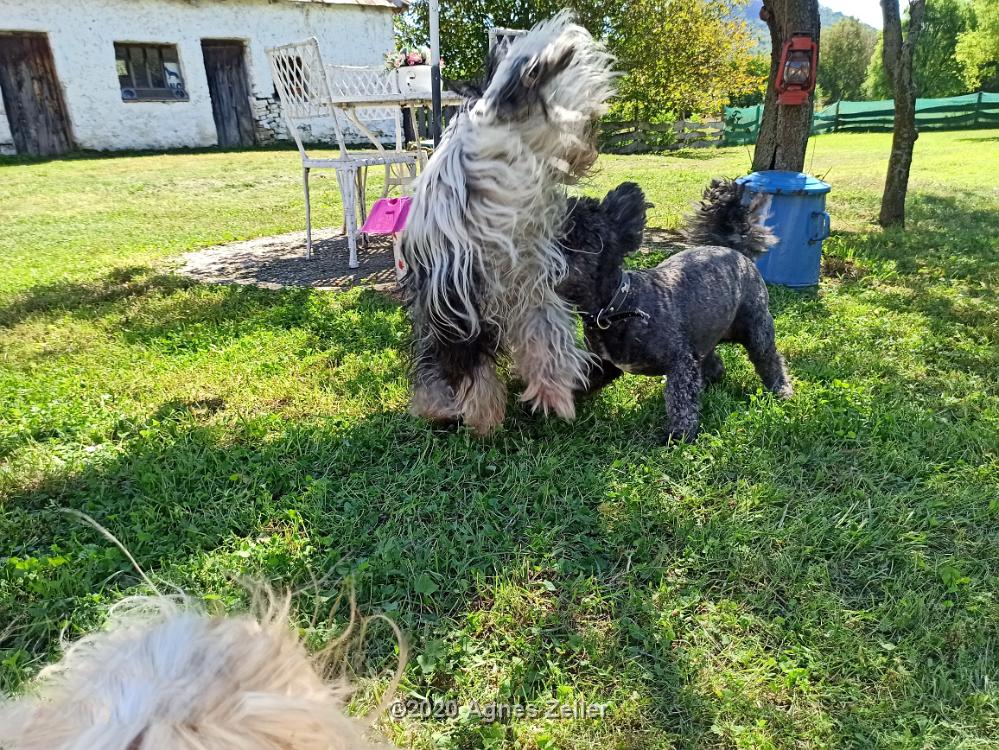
613,312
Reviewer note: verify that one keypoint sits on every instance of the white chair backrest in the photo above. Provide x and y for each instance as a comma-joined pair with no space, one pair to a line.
361,80
503,38
301,83
350,81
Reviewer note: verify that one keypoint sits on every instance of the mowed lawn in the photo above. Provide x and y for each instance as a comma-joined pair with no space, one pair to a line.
816,573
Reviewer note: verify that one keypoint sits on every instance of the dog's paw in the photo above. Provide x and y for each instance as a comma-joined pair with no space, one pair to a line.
784,392
676,435
434,403
550,399
485,418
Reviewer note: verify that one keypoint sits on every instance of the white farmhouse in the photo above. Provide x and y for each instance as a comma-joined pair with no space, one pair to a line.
152,74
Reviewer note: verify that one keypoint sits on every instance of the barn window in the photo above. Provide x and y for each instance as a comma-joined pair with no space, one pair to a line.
149,72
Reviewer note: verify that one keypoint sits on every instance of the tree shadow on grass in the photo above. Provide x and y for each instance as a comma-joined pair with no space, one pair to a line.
944,238
179,314
165,320
431,525
213,316
691,154
944,268
747,583
89,155
87,298
556,554
981,139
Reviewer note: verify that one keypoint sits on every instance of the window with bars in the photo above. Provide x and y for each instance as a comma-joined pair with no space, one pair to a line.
149,72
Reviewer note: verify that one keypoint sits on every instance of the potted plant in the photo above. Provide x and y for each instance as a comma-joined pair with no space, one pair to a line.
412,65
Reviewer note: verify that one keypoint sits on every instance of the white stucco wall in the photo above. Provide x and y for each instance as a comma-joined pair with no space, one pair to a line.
6,139
82,34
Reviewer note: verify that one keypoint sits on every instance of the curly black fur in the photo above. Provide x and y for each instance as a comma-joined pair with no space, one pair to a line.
674,315
722,219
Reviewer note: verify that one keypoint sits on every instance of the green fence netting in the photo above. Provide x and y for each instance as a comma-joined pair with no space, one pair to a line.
742,124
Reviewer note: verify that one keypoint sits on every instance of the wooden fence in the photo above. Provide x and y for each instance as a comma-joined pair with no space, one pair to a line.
741,125
625,137
639,137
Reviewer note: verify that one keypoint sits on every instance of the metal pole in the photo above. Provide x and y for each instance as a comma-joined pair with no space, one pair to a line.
435,71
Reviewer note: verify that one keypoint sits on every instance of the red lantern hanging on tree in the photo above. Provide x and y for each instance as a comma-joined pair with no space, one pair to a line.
796,75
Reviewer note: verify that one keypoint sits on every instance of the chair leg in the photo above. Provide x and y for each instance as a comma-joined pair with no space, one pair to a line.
348,189
362,192
308,214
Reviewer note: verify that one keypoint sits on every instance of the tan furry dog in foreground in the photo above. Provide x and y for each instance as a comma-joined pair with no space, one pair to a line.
167,676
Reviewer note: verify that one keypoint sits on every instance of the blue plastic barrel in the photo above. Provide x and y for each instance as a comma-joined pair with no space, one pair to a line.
798,219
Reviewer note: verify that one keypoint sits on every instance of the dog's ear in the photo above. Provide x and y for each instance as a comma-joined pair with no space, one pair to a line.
473,90
525,77
759,206
544,67
470,91
624,208
493,59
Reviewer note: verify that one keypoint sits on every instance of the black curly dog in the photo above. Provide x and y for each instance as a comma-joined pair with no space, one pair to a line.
668,320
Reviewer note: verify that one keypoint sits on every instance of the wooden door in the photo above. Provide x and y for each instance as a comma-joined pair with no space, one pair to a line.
32,97
230,92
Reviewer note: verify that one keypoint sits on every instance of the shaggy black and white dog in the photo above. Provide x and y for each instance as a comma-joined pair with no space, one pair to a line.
668,320
481,246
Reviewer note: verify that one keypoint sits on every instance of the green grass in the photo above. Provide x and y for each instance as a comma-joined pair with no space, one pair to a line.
816,573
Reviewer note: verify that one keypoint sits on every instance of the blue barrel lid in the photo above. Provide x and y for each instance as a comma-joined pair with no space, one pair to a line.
780,182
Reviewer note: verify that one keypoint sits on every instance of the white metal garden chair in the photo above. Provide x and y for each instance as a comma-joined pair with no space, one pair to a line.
306,94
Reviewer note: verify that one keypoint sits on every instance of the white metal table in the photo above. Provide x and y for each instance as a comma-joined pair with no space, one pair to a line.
410,102
350,104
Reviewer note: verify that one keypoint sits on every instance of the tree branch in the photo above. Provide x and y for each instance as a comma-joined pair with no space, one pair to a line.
892,39
917,9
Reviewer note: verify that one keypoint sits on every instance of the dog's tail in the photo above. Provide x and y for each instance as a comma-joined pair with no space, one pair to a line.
624,207
725,220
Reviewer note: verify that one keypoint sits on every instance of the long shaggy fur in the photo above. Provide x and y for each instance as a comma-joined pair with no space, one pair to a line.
481,238
166,676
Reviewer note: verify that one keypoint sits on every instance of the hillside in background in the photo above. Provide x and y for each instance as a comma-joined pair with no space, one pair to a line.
759,29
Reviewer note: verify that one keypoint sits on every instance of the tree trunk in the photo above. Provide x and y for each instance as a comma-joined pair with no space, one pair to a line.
898,54
784,130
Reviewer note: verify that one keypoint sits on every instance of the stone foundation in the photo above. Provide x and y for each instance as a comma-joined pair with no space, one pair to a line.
270,125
